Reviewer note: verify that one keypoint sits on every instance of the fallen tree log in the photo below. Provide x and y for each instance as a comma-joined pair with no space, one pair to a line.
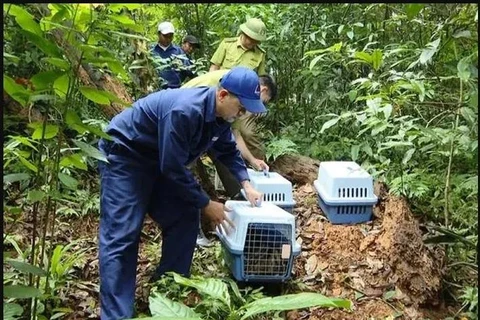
296,168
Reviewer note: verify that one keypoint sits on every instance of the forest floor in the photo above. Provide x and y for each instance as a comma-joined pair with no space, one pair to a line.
382,266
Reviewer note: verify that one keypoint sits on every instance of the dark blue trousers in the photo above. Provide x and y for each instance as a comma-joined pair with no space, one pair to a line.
130,187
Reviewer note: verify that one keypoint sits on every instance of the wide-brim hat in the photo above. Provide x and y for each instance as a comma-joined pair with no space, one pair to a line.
255,29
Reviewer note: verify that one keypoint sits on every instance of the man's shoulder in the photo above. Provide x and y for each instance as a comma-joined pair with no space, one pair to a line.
230,40
176,48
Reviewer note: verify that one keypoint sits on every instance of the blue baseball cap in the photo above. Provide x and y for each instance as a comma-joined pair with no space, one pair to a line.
243,82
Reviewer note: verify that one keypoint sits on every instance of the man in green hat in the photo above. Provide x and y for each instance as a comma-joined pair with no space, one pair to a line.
243,50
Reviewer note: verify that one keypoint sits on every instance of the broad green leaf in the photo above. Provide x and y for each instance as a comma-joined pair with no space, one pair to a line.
215,288
44,80
15,90
68,181
162,306
364,56
429,51
463,68
329,123
25,20
97,131
473,101
387,110
379,128
408,156
462,34
48,47
340,28
315,61
114,98
15,177
35,196
413,9
20,292
74,160
25,141
7,55
468,114
61,85
122,19
352,95
235,290
11,311
57,62
354,152
95,95
73,121
335,48
117,68
374,104
367,149
389,295
350,34
293,302
26,268
51,131
27,163
90,151
377,59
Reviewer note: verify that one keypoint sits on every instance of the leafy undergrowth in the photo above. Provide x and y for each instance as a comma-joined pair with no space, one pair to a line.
383,266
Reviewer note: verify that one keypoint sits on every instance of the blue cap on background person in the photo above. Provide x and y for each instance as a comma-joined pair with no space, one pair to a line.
243,82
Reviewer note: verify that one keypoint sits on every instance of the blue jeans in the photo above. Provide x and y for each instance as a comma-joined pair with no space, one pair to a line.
131,186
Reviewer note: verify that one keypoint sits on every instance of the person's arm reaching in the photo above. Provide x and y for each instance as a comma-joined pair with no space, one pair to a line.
218,57
258,164
213,67
225,150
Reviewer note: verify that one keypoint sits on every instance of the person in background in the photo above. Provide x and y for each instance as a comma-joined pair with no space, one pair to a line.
243,50
245,132
152,144
173,65
189,44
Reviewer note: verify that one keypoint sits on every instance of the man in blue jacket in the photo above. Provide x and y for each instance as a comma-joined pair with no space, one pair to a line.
173,64
153,142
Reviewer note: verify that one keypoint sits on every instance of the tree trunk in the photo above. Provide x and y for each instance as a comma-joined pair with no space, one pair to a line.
87,77
296,168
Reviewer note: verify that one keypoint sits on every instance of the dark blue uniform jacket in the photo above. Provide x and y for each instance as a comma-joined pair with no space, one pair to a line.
176,126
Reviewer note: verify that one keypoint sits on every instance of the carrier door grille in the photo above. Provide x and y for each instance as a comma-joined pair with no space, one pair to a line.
263,249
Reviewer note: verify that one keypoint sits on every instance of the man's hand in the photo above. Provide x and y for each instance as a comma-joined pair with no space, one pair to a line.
259,165
214,67
215,212
253,196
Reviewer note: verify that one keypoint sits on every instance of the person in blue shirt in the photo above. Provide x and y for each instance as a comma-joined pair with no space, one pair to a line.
152,144
173,65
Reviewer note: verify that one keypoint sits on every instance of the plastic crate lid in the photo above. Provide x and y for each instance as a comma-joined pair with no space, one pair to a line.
242,214
274,186
342,201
